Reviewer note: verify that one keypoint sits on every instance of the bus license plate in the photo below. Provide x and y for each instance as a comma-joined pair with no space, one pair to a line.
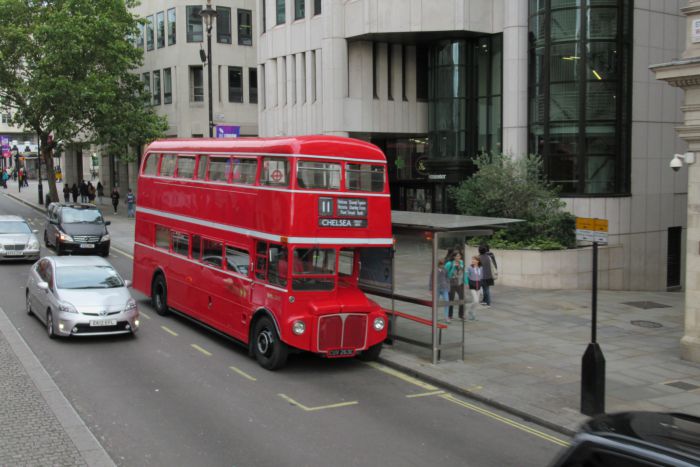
87,245
103,322
341,353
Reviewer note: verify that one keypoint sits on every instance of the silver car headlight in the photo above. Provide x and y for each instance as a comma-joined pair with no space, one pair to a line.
105,237
130,305
33,245
66,307
65,237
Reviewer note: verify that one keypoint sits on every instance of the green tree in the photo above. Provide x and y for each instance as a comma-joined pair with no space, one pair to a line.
516,188
67,71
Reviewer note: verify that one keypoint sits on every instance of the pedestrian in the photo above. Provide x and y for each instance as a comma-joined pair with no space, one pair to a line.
130,204
443,287
74,191
488,266
83,188
455,273
25,178
91,193
66,193
474,280
100,191
5,176
115,198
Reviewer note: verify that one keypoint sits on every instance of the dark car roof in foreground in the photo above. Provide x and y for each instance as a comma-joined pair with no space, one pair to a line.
670,432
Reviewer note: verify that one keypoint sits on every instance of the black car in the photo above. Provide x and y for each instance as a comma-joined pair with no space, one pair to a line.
635,439
76,228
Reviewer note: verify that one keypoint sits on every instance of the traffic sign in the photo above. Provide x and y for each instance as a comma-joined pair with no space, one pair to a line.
592,230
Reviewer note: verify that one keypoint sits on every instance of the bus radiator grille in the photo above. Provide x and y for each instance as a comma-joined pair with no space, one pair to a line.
342,332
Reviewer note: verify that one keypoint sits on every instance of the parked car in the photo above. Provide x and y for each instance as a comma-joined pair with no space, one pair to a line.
635,439
80,296
76,228
17,240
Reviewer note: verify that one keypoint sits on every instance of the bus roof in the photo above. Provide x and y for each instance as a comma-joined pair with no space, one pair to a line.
310,145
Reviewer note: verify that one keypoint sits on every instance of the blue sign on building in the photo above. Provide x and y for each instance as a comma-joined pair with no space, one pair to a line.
228,131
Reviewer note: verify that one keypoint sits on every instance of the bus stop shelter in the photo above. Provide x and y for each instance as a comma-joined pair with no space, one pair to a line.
403,274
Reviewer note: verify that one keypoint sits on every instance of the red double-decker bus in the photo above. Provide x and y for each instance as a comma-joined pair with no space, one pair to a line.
259,239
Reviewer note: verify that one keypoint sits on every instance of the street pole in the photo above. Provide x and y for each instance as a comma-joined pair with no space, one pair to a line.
38,159
593,362
208,13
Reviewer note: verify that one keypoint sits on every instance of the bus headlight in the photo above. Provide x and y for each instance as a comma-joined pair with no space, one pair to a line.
298,327
379,324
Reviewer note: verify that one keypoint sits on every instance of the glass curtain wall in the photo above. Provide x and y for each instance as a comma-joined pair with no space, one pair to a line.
579,93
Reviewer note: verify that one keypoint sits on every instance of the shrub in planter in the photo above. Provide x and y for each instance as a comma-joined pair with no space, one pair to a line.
517,188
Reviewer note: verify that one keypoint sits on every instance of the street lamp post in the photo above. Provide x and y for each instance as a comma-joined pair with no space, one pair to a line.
38,165
15,153
208,13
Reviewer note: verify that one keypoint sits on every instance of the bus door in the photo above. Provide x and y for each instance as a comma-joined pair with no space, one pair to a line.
238,290
212,304
271,267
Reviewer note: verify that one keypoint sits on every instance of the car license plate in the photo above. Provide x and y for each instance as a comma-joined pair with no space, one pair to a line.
14,253
341,353
103,322
87,245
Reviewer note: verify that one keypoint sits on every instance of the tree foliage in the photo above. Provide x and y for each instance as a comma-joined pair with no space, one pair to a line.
67,71
517,188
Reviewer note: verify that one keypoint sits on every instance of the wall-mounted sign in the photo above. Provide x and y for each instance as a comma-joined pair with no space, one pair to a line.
695,33
228,131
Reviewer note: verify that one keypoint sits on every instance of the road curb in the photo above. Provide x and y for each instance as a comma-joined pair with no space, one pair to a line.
27,203
477,397
85,442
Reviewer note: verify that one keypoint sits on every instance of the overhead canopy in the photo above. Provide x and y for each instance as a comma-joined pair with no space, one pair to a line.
435,222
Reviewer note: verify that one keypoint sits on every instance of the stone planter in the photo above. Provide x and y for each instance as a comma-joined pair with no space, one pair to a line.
561,269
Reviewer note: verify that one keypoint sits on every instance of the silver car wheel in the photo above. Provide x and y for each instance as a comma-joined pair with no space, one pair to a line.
49,325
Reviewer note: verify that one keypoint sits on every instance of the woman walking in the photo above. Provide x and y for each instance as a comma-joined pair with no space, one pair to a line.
474,279
74,192
100,191
66,193
455,273
115,198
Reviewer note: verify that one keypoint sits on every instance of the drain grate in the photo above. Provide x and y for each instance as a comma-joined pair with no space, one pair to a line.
646,305
646,324
682,385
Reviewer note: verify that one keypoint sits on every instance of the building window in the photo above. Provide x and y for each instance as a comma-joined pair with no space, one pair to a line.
299,9
6,117
404,96
580,94
264,16
160,29
245,27
421,72
156,87
280,11
195,29
389,73
196,84
235,84
149,33
167,86
375,70
223,25
172,36
141,34
146,78
317,7
253,85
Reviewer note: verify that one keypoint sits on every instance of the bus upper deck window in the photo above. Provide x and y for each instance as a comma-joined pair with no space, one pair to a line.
202,168
185,166
167,165
151,166
219,169
324,175
275,172
244,171
365,177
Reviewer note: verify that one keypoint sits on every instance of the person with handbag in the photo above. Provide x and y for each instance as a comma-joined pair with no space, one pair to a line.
474,279
487,266
455,273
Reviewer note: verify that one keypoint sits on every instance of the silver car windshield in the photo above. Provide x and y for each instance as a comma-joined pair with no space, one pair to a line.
74,216
14,228
88,277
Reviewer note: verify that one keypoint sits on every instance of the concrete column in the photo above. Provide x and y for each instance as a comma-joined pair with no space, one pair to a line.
334,69
133,170
515,17
123,177
70,168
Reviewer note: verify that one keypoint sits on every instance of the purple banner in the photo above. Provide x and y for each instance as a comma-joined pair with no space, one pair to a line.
227,131
5,144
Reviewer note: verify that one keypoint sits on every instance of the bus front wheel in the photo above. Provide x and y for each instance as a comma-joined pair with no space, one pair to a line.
371,354
270,352
159,295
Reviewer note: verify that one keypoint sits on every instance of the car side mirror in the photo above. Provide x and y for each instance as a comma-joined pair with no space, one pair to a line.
127,283
43,285
35,231
108,223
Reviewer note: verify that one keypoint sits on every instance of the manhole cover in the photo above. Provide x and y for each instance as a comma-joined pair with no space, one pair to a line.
646,305
646,324
682,385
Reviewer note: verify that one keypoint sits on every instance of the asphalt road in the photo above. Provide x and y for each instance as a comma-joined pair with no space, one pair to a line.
179,395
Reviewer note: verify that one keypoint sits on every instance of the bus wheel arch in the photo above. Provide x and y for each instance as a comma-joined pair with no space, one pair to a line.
265,342
159,293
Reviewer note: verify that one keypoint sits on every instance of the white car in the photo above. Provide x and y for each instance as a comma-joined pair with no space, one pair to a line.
80,296
17,240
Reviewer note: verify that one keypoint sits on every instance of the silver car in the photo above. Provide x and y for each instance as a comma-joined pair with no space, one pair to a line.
80,296
17,240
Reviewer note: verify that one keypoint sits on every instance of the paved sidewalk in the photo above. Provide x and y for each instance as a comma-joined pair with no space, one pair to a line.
524,353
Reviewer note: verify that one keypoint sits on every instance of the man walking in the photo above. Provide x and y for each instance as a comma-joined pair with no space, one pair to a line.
488,268
130,204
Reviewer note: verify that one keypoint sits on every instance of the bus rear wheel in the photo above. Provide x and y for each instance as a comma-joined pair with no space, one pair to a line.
159,295
270,352
371,354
